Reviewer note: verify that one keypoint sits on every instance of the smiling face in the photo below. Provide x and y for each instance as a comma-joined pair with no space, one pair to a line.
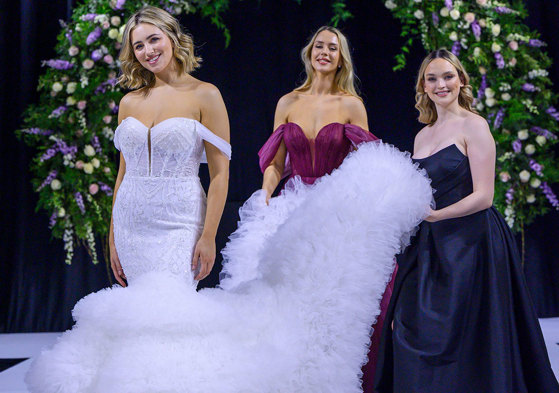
152,48
325,54
442,82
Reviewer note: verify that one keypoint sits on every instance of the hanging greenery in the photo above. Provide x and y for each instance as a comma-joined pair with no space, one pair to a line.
509,73
72,124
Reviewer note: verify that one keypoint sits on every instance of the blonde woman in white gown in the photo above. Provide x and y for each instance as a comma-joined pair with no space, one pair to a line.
305,274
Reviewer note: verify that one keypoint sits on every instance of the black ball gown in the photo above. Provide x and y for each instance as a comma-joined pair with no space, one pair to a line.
463,318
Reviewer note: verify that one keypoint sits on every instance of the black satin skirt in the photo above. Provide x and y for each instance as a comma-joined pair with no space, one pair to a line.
463,318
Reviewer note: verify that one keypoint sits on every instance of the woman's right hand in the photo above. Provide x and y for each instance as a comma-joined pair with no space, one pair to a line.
116,267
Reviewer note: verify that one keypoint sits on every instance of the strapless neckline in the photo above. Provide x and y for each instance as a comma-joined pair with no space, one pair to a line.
161,122
298,127
441,150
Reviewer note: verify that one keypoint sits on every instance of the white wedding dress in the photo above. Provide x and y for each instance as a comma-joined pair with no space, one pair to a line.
302,278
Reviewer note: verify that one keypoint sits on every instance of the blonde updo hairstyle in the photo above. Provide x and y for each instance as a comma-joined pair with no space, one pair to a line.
134,75
425,106
345,77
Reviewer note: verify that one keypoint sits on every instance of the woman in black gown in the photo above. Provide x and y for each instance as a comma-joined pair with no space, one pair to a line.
462,316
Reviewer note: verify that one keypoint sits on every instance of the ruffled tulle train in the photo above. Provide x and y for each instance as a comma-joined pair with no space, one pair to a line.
301,287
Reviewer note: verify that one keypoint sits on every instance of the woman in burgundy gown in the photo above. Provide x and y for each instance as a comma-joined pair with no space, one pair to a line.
316,126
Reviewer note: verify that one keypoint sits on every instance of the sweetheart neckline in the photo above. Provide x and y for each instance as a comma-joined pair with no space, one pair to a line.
440,150
319,131
161,122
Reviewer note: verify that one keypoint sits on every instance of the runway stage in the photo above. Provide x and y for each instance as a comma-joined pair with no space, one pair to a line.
16,351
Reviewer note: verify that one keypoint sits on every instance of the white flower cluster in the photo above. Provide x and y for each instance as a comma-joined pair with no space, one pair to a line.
108,133
390,5
509,216
504,87
68,239
530,106
537,73
90,238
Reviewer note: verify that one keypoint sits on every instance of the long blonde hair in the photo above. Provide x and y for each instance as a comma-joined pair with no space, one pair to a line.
345,77
134,75
426,107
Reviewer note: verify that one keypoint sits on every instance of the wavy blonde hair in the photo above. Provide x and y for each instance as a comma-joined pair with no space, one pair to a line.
345,77
425,106
134,75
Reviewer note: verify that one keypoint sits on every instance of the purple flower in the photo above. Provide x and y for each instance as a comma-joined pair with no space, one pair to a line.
68,36
482,87
517,146
543,132
51,176
536,167
500,61
448,4
65,149
36,131
103,86
97,54
52,219
509,195
79,201
499,118
58,64
476,29
551,111
88,17
105,188
435,17
119,4
456,48
550,195
115,109
528,87
96,144
503,10
58,111
48,154
93,36
536,43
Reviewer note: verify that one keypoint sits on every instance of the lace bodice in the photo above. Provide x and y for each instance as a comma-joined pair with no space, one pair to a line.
171,148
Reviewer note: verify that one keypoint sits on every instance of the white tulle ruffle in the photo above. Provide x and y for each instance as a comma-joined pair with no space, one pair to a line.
303,279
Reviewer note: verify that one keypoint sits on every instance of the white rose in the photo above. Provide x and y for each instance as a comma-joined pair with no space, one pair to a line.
453,36
524,176
101,18
95,163
506,96
71,87
477,51
88,168
530,149
535,182
504,176
496,30
88,64
444,12
469,17
89,150
57,86
115,20
61,212
495,47
55,184
73,50
70,101
480,106
390,5
489,93
523,135
482,23
490,102
531,198
483,3
419,14
455,14
113,34
540,140
482,70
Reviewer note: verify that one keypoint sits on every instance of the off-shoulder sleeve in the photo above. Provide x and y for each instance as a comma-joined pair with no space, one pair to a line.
270,149
215,140
358,135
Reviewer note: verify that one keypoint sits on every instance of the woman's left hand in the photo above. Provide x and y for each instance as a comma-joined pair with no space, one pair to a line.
204,257
433,216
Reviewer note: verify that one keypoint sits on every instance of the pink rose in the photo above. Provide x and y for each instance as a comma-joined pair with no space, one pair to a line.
93,188
108,59
481,2
118,45
470,17
512,61
107,119
106,169
106,25
81,105
513,45
112,105
79,164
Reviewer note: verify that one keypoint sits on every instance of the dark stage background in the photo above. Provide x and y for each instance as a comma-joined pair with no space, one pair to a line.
37,290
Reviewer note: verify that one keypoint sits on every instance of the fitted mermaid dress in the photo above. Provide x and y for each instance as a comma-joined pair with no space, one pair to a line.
463,318
303,277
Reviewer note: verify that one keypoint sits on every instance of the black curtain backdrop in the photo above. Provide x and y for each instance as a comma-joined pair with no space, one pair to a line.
38,291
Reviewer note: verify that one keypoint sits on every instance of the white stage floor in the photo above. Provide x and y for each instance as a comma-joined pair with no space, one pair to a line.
27,345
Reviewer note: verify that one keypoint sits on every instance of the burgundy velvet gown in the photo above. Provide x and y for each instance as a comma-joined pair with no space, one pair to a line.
312,158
